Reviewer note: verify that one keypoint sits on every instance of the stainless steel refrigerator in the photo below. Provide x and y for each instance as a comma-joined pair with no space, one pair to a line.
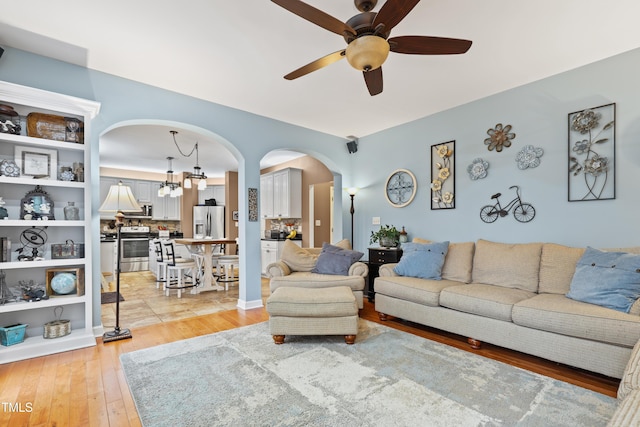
208,221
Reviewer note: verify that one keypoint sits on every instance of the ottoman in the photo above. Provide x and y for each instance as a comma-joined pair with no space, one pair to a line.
313,311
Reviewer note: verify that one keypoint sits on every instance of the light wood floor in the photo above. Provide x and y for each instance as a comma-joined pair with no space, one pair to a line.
87,387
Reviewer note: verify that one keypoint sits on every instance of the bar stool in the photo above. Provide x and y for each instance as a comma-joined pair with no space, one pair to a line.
161,265
228,263
199,260
178,271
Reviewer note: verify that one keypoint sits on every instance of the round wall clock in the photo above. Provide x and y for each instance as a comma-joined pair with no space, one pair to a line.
400,188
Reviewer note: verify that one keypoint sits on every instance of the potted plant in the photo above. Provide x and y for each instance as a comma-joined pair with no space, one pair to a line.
388,236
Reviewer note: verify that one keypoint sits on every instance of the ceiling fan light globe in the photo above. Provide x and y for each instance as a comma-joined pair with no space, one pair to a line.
367,53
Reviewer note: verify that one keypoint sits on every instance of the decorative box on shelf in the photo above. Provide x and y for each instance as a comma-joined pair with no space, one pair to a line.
12,334
65,281
67,250
57,128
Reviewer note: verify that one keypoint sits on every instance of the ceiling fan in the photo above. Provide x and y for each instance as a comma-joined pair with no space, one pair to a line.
367,37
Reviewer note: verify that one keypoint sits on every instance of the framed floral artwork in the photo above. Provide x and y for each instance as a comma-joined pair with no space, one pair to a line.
592,154
443,182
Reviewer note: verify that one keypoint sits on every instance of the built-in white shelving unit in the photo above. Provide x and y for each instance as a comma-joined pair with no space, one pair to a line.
78,306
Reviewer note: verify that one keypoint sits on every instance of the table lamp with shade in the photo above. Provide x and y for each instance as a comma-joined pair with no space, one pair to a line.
119,200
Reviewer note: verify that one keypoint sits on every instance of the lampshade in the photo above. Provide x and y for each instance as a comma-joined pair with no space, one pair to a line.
352,190
120,199
367,53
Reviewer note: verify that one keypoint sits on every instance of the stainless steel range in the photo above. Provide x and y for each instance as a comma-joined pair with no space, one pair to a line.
134,249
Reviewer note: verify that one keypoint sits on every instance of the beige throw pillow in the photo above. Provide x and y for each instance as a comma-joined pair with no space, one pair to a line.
297,258
557,265
458,262
507,265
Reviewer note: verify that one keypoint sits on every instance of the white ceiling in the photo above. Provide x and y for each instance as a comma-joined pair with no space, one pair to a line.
235,53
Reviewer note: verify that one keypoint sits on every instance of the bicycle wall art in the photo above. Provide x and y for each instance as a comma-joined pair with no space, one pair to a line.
522,211
592,154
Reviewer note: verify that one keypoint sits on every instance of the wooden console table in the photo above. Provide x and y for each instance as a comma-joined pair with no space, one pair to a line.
377,257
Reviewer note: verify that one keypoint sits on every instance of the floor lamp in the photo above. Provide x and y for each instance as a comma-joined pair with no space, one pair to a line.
119,200
352,193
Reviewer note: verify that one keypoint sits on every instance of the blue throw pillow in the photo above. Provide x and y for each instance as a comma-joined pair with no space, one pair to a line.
608,279
335,260
422,260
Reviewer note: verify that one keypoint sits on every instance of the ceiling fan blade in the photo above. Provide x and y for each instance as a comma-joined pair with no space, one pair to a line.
426,45
316,65
392,12
315,16
373,79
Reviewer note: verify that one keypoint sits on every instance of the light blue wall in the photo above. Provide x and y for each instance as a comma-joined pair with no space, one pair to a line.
248,136
538,113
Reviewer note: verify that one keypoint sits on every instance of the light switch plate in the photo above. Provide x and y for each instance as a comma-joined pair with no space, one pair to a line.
376,220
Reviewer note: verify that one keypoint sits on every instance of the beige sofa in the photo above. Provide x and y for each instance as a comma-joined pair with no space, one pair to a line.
513,296
294,270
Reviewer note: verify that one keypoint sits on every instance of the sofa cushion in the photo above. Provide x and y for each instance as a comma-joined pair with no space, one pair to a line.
421,291
561,315
609,279
297,258
507,265
557,265
485,300
631,377
458,262
335,260
628,412
306,279
422,260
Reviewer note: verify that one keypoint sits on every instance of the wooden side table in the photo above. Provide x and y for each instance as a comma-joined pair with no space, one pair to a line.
377,257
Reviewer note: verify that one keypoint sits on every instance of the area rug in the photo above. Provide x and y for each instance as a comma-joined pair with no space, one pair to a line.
109,297
387,378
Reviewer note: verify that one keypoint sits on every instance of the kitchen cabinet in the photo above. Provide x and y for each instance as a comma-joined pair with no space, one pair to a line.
165,208
107,258
281,194
212,192
53,145
266,195
271,250
143,191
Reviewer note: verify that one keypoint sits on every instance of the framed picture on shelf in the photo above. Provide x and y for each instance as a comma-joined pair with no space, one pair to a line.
65,281
37,162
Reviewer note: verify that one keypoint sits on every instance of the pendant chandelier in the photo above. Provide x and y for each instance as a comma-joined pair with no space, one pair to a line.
197,171
170,188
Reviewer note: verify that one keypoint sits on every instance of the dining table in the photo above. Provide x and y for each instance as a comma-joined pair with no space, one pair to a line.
208,281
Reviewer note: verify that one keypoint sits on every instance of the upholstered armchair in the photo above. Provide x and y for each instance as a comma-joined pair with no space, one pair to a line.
319,268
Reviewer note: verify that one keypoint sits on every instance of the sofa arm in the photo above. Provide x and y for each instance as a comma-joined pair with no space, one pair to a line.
386,270
278,269
359,269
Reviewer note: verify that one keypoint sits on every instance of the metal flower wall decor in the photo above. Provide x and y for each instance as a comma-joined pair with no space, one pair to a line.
499,137
592,154
442,176
529,157
478,169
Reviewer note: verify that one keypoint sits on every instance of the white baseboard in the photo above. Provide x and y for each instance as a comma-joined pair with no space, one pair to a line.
249,305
